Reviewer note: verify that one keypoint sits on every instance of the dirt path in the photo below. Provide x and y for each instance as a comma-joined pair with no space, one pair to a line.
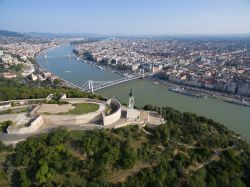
121,176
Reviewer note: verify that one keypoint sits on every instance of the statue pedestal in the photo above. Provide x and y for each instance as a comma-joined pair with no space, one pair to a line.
133,114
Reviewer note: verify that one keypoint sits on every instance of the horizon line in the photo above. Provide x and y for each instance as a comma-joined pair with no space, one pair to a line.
122,34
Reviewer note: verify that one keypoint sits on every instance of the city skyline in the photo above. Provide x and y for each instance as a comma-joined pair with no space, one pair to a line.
115,17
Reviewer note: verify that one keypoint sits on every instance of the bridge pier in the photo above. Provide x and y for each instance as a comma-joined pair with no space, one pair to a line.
69,56
91,86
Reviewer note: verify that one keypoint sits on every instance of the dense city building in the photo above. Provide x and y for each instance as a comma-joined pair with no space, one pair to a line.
17,56
215,64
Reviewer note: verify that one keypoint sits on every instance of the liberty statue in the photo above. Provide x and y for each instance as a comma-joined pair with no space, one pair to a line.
131,101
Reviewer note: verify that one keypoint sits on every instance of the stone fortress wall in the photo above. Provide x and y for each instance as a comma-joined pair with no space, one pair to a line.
115,116
92,117
33,127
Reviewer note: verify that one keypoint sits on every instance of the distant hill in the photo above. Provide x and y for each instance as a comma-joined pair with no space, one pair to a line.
48,35
60,35
10,34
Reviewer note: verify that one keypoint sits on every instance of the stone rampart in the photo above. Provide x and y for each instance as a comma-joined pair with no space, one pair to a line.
115,116
72,119
33,127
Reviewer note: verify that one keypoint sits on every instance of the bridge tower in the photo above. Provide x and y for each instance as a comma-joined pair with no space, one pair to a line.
69,56
142,73
91,86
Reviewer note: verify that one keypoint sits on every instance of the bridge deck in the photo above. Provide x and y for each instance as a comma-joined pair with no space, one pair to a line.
91,86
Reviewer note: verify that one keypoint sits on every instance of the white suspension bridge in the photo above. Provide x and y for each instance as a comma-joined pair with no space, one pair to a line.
92,86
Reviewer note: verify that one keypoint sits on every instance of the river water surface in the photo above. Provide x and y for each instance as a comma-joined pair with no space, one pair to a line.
235,117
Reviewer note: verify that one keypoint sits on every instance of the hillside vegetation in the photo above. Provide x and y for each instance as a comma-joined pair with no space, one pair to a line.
13,89
188,150
10,34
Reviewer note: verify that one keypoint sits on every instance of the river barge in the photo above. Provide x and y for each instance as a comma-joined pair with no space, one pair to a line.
242,103
183,92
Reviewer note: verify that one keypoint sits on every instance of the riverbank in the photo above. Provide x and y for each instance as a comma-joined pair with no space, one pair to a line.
189,90
204,93
233,116
41,69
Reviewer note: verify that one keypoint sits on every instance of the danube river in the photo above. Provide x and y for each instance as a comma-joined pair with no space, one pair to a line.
235,117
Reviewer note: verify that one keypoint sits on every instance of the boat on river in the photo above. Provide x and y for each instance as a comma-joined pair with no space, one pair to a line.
242,103
183,92
156,83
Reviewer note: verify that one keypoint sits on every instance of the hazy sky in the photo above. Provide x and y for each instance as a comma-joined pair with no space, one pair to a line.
126,16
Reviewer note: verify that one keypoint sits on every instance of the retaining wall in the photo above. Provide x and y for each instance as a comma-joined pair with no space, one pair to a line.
114,117
33,127
80,100
72,119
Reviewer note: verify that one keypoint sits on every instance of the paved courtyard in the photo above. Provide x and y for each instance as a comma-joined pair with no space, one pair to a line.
54,108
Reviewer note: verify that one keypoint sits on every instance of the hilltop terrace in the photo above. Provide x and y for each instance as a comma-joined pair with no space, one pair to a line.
34,116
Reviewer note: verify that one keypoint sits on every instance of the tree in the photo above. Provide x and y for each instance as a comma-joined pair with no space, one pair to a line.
128,157
16,68
198,179
237,182
4,125
57,137
43,174
162,133
3,147
57,81
113,61
148,107
223,178
68,183
211,182
17,159
23,179
2,175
